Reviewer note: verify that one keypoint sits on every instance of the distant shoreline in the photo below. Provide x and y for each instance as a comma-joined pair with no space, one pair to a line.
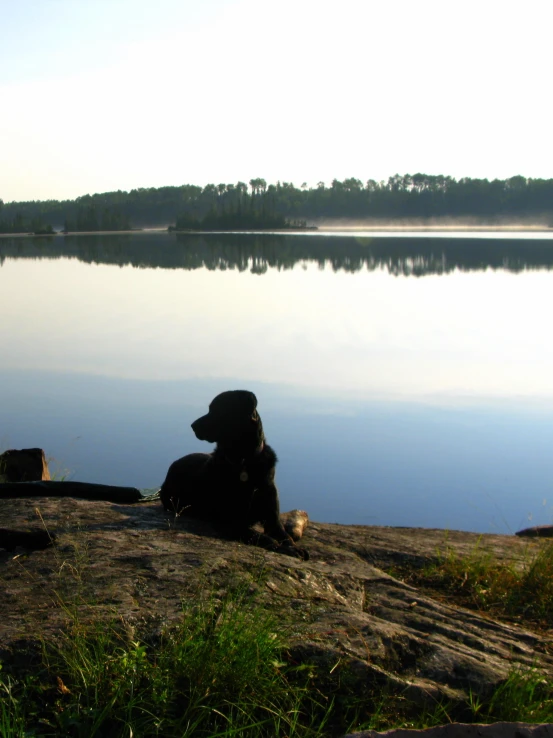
321,230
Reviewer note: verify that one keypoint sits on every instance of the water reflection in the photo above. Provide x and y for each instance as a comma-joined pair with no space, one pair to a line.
258,253
113,344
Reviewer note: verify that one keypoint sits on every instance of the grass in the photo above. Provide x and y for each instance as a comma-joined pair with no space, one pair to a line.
222,670
520,591
12,723
525,697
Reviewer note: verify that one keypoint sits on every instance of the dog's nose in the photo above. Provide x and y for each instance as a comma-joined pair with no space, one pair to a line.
202,427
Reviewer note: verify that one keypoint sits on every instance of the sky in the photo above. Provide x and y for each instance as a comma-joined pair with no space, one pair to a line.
102,95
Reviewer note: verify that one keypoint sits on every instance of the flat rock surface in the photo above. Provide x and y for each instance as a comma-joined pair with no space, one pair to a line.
341,606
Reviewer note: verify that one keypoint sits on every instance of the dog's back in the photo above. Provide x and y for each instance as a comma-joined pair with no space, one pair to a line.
184,483
208,486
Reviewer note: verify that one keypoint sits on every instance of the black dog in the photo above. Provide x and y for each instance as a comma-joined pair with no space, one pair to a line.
233,487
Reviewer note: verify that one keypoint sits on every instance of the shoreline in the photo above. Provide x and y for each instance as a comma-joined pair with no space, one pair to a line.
320,230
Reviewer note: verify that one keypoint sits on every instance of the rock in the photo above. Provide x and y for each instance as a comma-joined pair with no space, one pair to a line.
24,465
538,531
340,608
295,522
463,730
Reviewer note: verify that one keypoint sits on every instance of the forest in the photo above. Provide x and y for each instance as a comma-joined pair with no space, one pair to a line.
91,217
401,197
19,224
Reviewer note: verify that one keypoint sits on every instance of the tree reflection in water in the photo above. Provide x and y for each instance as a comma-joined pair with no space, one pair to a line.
258,253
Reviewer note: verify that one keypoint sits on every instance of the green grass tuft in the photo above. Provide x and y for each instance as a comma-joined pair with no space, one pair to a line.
517,590
12,723
524,697
221,671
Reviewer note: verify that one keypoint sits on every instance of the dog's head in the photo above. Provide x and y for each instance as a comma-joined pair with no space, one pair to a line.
232,421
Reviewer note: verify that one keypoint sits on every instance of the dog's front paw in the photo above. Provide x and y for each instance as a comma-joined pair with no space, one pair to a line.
288,548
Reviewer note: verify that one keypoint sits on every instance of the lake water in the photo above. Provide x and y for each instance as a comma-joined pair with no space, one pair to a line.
402,380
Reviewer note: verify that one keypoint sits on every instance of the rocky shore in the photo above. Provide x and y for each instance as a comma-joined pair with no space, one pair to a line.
341,607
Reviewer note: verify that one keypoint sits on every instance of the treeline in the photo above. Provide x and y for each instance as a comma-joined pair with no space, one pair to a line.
399,197
238,209
85,218
260,253
18,224
90,217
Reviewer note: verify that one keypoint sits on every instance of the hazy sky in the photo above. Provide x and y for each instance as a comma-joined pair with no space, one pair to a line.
99,95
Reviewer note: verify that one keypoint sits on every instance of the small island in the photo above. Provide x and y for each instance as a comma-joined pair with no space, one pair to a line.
238,221
240,211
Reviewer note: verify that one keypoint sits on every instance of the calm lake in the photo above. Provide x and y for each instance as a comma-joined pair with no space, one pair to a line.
402,380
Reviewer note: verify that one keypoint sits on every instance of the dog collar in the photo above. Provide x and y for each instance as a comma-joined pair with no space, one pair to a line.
244,476
242,461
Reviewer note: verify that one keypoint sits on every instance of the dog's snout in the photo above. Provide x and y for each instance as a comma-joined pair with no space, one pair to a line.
203,429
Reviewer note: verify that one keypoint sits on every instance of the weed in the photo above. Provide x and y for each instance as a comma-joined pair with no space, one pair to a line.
221,671
525,696
11,719
518,590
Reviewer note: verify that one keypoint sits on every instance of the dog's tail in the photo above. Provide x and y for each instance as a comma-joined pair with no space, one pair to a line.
295,523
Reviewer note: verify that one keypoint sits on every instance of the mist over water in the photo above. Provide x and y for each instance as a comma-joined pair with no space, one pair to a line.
443,225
